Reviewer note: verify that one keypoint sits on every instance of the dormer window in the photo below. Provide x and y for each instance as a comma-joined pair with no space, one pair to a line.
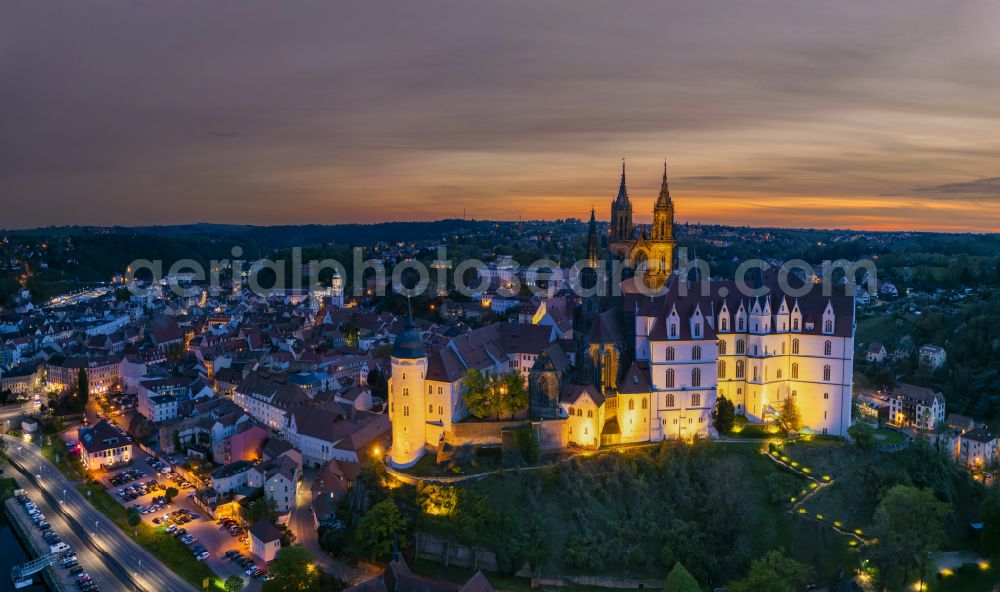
723,325
696,333
795,324
828,326
739,324
673,329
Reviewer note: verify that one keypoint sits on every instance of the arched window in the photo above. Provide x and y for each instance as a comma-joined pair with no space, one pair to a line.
778,376
669,354
795,324
723,325
430,390
795,394
756,373
741,346
722,368
696,400
740,369
631,405
696,352
828,326
590,414
670,378
795,370
795,347
406,390
696,377
826,373
645,403
406,410
739,324
782,348
579,412
673,329
828,348
670,399
722,348
430,409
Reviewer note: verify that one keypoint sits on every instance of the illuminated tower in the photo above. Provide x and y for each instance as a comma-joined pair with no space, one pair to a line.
337,290
406,397
659,248
621,221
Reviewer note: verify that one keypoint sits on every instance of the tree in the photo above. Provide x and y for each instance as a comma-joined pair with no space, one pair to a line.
773,573
791,419
171,492
679,580
133,517
991,524
498,395
82,388
724,415
379,527
263,508
293,571
909,527
233,584
863,435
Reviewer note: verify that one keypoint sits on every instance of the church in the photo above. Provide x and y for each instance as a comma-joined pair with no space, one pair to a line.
638,367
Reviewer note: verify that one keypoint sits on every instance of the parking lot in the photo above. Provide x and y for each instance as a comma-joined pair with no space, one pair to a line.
143,485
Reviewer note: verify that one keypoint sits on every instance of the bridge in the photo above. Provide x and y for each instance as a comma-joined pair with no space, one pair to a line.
20,573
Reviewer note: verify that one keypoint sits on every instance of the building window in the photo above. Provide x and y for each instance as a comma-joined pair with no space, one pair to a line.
670,402
430,390
778,375
645,403
741,346
440,390
590,414
406,410
723,325
722,348
430,409
795,371
828,326
673,329
795,324
696,377
739,324
669,354
696,352
631,405
828,348
670,378
440,410
826,396
826,373
696,400
740,369
795,347
722,368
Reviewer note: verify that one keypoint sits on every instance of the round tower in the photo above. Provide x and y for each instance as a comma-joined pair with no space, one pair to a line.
406,397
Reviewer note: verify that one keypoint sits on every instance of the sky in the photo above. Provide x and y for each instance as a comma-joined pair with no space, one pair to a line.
849,114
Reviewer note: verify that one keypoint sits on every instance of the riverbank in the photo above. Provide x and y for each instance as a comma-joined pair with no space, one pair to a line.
26,532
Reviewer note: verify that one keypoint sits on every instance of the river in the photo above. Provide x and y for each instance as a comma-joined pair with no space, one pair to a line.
14,553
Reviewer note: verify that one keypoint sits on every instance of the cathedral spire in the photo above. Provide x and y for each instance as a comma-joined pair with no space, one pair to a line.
664,198
592,254
622,192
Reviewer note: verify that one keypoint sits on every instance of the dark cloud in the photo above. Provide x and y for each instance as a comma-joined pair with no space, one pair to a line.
989,186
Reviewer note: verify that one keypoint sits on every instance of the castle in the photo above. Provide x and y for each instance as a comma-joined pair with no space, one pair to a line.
638,367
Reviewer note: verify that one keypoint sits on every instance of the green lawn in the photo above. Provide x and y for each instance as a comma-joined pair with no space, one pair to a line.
885,436
166,548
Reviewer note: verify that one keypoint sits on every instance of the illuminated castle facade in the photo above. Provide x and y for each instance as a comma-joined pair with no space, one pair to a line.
643,367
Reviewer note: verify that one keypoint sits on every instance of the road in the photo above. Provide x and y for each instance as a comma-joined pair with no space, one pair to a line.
116,548
91,559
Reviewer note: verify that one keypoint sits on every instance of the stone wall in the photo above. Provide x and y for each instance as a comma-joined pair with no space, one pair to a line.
551,432
445,552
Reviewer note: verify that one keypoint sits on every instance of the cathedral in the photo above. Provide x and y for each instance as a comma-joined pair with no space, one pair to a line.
651,253
638,367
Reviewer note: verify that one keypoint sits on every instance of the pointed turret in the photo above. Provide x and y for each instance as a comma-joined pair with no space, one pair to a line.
592,253
622,198
663,200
